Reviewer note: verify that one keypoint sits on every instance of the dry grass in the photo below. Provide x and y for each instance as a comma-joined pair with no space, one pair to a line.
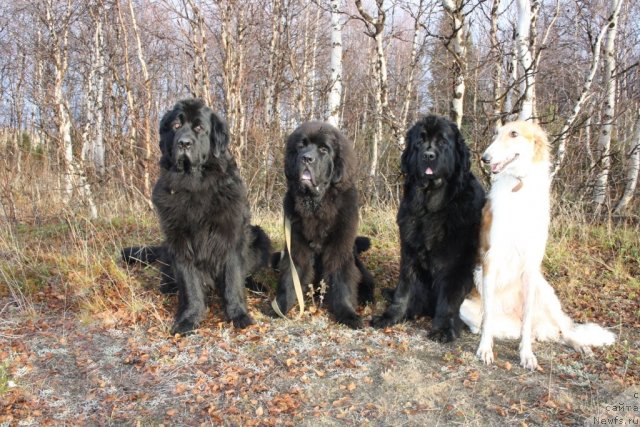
84,339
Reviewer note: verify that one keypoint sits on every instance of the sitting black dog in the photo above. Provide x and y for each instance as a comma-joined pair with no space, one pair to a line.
322,205
439,220
202,205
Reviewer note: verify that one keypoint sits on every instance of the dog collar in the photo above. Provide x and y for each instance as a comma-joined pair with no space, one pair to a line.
518,186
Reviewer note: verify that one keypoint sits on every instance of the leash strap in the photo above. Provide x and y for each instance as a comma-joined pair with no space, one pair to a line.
294,274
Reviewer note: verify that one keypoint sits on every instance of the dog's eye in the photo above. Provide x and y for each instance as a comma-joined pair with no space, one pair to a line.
198,128
323,150
513,134
177,125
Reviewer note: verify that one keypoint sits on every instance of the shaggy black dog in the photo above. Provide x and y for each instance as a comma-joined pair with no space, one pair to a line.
322,204
204,214
439,220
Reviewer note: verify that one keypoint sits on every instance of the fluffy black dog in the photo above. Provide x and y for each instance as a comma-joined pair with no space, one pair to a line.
201,201
322,204
439,220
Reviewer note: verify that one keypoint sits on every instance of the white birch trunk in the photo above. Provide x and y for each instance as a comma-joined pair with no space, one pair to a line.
633,168
608,112
512,90
523,42
335,94
270,83
459,66
496,72
60,54
146,126
313,68
582,99
408,90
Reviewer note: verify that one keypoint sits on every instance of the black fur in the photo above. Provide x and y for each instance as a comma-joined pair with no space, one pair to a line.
257,259
439,220
322,204
202,205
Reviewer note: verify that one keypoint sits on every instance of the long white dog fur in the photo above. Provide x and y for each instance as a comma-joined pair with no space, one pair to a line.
514,298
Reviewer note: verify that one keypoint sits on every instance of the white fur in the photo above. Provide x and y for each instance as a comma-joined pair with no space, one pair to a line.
515,299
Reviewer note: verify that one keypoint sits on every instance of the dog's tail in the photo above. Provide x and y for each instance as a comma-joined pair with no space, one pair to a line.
362,244
143,254
582,336
259,248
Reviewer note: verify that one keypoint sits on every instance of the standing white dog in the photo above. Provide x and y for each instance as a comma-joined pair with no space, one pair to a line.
515,300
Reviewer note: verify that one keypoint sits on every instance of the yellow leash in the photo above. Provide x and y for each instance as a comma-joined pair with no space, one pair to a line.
294,274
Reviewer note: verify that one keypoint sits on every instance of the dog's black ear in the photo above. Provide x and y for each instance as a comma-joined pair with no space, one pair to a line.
219,137
291,153
338,162
166,138
407,160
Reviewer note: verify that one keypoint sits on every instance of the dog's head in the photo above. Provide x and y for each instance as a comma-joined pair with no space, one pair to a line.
191,136
516,147
318,156
434,152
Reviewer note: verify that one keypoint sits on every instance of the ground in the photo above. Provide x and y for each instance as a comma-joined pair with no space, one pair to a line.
84,341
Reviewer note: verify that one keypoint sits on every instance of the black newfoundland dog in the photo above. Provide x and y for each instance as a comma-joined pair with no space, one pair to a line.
202,205
439,220
322,205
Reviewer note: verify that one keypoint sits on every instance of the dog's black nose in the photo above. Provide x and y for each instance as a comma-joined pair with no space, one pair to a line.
307,159
486,159
429,155
185,144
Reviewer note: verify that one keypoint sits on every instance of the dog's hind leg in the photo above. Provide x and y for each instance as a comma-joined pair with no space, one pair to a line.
489,283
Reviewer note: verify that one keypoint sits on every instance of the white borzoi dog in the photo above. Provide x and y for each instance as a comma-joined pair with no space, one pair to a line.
514,298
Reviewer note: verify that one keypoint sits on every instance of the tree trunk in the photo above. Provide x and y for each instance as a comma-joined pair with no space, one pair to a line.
608,112
496,73
459,65
335,94
146,126
270,81
582,99
523,42
633,167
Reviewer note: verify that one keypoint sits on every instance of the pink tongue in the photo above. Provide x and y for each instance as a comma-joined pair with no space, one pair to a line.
306,175
429,171
495,167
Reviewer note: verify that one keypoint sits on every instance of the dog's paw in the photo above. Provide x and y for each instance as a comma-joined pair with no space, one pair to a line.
381,321
443,335
528,360
242,321
485,353
183,327
351,320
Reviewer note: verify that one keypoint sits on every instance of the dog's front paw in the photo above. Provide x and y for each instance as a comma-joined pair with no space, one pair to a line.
183,327
485,353
528,360
351,320
382,321
443,335
242,321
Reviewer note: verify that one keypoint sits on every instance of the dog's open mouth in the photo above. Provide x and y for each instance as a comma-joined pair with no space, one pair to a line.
307,177
499,167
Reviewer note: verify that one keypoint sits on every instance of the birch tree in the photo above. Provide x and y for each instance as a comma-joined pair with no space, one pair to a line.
608,111
633,168
200,77
496,69
93,132
270,91
232,36
146,125
335,94
523,42
58,29
458,49
375,30
584,94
